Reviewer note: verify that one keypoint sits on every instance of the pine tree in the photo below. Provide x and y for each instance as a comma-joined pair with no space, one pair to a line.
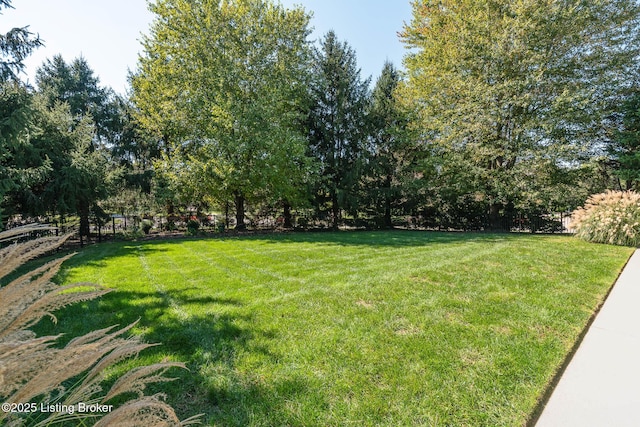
389,152
15,47
338,125
625,147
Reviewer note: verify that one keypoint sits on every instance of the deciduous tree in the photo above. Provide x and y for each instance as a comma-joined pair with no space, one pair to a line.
516,86
222,83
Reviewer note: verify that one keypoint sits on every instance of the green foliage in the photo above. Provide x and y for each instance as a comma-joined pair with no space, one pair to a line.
78,175
365,328
15,47
20,164
625,148
74,120
15,113
520,89
612,218
47,164
390,152
192,227
227,106
76,85
337,125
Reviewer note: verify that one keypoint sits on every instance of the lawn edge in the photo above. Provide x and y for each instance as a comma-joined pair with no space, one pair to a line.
546,396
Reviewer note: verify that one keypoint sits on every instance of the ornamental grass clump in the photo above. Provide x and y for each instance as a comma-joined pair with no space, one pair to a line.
45,384
612,218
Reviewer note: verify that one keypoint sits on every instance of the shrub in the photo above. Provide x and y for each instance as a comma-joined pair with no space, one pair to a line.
192,227
36,371
612,217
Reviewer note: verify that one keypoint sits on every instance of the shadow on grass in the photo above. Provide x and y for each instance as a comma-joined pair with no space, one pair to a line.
397,237
208,343
376,238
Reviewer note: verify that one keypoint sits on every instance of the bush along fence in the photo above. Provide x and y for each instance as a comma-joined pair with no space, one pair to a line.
517,222
556,222
134,226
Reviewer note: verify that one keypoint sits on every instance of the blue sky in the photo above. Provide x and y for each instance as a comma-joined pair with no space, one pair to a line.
107,32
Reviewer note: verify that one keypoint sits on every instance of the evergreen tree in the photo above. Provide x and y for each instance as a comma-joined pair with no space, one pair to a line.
625,147
16,115
76,85
75,173
21,166
338,125
390,154
15,47
77,121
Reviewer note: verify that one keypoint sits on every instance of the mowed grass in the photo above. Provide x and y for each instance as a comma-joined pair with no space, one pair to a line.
390,328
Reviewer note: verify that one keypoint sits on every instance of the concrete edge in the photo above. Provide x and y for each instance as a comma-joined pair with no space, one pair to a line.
544,399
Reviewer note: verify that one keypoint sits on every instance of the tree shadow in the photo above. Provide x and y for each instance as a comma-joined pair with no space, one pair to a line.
207,343
385,238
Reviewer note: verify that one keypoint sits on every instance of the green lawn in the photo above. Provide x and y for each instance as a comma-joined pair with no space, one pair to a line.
364,328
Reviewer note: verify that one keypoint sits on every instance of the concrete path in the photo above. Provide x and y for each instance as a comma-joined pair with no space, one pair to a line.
601,385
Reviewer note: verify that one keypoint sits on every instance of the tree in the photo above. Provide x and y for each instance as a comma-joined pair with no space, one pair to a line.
15,47
337,123
389,152
16,113
76,121
517,88
76,173
76,85
20,164
625,147
227,105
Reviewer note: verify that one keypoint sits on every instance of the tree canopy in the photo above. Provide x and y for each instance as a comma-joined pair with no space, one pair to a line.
518,89
228,105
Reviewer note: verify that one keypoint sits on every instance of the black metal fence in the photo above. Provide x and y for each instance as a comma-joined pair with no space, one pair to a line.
558,222
519,222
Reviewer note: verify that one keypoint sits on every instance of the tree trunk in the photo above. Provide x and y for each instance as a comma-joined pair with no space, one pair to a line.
387,213
387,203
335,210
494,216
84,221
239,202
287,214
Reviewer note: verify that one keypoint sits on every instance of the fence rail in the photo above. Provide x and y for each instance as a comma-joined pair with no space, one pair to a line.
28,232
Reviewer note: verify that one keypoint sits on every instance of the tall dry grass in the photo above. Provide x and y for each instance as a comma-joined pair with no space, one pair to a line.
612,217
34,371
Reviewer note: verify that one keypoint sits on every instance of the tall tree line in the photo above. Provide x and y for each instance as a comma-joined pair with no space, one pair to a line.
502,107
